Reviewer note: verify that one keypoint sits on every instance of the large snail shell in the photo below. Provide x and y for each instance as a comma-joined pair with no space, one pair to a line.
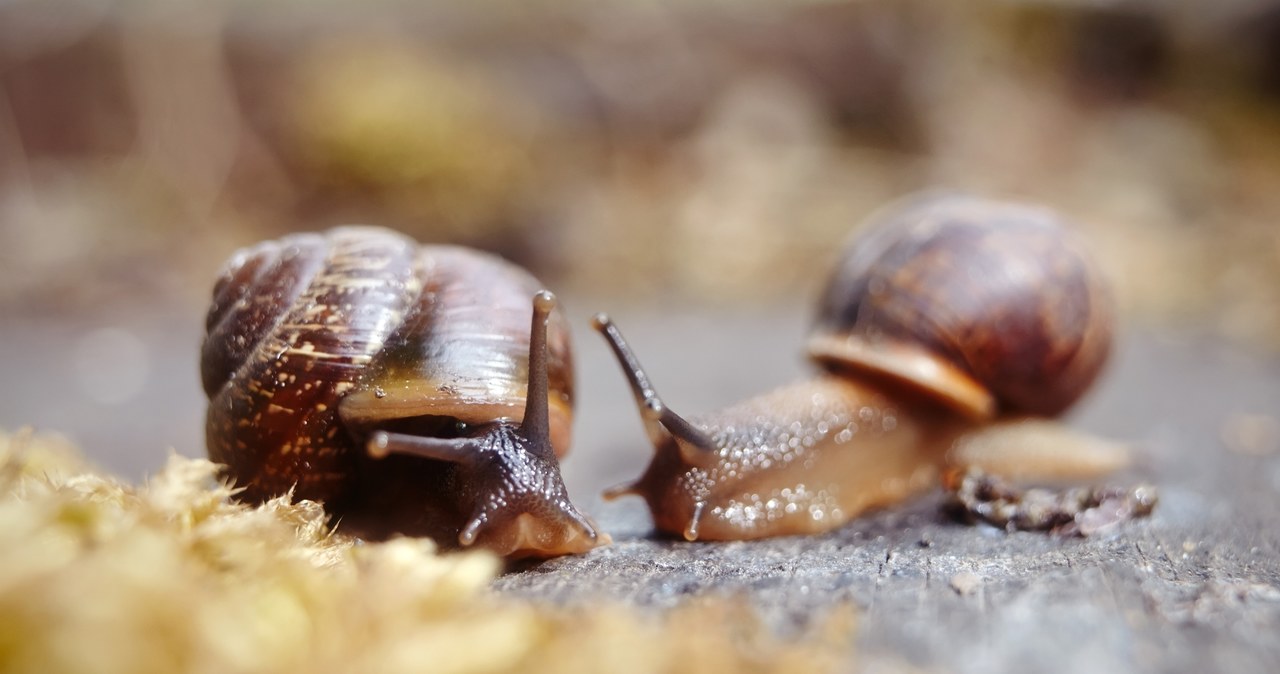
312,337
991,307
463,352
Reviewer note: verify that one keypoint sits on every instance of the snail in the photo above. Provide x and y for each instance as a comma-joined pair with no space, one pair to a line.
951,325
425,390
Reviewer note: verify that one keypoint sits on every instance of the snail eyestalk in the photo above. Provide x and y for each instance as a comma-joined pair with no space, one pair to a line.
693,443
454,450
660,421
536,427
617,491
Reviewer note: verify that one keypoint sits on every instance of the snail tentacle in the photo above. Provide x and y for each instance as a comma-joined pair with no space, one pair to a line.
617,491
691,531
535,425
660,421
454,450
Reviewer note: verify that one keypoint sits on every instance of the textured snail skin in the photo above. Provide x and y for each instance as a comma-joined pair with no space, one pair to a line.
780,463
317,342
949,320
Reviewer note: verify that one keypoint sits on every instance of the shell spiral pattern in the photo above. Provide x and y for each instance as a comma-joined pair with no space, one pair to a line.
292,325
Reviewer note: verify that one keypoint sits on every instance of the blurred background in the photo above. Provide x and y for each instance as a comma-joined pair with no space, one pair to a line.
692,167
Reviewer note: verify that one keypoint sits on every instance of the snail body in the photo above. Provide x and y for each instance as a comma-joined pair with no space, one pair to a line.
413,389
951,323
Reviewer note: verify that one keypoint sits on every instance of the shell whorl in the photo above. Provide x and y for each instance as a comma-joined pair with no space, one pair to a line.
292,325
989,306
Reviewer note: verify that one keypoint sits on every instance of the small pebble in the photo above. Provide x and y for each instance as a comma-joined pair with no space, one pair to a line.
965,583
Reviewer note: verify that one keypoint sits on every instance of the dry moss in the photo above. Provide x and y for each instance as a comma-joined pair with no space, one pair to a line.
102,576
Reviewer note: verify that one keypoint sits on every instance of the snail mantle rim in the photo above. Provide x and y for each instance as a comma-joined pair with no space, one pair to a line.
908,364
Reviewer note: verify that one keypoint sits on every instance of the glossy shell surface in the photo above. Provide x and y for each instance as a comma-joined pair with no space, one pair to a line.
991,307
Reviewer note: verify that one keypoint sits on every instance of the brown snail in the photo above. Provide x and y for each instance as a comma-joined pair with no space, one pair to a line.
425,390
948,323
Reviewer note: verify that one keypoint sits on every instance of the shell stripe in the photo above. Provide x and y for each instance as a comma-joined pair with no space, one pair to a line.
314,353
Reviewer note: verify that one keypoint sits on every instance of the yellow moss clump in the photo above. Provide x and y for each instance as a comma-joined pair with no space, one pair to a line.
173,576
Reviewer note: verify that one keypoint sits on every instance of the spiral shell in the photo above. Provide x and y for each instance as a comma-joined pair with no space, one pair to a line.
991,307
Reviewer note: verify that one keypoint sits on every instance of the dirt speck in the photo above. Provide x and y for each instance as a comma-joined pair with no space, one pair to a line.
965,583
